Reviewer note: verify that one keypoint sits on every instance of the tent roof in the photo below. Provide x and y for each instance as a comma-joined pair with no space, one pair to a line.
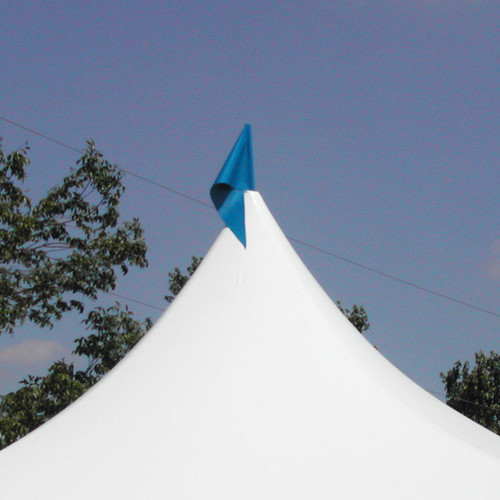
254,385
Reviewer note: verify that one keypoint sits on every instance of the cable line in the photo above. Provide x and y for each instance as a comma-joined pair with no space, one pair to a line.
395,278
162,186
491,408
47,137
129,172
300,242
136,301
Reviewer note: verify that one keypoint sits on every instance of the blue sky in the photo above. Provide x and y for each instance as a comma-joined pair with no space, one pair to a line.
375,137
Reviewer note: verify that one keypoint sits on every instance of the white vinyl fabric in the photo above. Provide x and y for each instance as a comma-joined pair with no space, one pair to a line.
254,386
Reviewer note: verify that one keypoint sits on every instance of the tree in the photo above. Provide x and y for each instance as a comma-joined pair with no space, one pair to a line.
177,280
65,247
357,316
40,398
475,392
115,333
54,254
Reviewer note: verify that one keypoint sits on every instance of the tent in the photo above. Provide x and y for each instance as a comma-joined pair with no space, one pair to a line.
253,385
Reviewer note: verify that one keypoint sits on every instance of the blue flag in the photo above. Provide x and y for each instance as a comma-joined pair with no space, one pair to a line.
235,177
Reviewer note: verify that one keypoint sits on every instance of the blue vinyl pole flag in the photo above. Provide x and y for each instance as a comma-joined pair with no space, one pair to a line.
235,177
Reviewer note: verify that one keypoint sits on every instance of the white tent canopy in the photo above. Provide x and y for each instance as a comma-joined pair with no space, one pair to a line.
254,386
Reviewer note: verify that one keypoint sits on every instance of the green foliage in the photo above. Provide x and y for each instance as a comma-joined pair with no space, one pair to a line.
476,392
177,279
40,398
116,333
357,316
65,247
53,254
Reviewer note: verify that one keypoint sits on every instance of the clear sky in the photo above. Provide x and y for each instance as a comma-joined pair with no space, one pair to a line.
375,129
